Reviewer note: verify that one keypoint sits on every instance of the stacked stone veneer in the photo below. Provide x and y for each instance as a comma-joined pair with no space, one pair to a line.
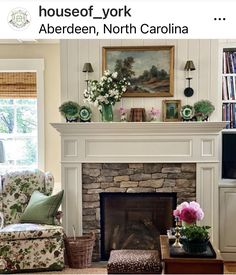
138,177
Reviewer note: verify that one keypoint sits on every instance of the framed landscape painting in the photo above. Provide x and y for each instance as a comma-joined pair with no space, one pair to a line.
149,69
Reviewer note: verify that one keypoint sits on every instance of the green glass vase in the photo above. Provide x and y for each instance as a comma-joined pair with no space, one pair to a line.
107,113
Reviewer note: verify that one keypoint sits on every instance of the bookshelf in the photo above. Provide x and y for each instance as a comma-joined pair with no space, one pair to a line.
228,87
227,184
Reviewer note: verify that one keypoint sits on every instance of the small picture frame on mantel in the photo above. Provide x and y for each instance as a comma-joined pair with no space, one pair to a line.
171,110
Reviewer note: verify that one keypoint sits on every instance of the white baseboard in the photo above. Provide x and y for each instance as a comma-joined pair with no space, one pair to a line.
228,256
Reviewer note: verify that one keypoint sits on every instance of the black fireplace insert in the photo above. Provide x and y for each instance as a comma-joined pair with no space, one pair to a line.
134,220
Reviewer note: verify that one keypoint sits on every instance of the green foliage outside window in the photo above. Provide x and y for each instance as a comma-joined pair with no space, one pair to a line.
18,118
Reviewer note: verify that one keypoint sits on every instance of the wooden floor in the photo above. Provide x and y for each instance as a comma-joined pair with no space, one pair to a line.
100,268
230,268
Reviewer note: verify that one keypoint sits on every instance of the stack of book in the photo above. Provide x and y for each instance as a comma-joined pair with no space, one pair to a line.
229,114
228,87
229,62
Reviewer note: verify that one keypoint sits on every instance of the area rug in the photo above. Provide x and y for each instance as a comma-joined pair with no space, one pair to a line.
90,270
96,268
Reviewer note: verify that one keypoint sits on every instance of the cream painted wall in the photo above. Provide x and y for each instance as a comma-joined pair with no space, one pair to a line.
204,53
51,55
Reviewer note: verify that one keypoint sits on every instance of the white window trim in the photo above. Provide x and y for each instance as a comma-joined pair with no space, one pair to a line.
34,65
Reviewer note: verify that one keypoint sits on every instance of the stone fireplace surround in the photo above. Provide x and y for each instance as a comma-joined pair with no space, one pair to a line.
135,143
131,178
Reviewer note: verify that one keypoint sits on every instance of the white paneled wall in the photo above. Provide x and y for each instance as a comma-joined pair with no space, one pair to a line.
205,82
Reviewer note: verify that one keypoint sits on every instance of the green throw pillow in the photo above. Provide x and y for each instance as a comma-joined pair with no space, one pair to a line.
42,208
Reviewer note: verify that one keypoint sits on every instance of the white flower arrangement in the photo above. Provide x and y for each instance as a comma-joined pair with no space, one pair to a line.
106,91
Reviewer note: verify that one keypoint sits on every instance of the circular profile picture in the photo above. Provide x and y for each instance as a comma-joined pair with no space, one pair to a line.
19,19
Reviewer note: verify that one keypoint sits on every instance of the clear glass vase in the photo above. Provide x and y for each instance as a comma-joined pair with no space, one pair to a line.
107,113
185,224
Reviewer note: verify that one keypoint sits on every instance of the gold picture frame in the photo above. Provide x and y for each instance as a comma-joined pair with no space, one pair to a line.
150,69
171,110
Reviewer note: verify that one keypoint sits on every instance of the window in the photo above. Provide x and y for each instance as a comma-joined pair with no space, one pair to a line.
21,114
18,130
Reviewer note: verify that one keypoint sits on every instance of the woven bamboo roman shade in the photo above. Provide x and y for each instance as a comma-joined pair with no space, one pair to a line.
18,85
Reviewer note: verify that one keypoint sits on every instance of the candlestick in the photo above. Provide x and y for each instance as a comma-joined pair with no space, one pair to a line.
177,233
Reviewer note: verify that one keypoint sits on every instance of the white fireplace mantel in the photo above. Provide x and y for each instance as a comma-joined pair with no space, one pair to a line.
139,127
175,142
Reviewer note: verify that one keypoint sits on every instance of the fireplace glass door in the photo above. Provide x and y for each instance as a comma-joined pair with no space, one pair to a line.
134,220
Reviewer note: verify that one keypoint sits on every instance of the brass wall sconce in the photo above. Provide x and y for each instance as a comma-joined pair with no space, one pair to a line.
189,66
87,68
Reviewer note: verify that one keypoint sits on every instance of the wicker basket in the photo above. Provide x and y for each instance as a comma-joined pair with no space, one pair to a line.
79,250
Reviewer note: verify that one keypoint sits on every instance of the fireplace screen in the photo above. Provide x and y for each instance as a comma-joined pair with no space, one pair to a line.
134,220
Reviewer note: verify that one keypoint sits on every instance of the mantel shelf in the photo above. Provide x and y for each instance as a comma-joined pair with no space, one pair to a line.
139,127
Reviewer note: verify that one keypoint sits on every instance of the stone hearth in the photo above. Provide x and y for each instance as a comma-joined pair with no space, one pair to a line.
133,177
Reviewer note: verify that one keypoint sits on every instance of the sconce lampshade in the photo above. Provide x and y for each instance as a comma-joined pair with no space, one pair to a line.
189,66
2,152
87,68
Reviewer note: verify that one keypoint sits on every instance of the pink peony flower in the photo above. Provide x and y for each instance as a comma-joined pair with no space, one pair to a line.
200,214
188,215
176,213
182,206
194,205
189,212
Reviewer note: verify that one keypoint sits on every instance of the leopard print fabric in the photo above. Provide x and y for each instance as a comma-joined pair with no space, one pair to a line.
134,261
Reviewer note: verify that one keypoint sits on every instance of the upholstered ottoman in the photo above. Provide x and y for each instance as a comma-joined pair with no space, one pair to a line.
134,261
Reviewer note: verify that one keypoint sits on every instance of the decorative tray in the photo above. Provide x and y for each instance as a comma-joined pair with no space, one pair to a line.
179,252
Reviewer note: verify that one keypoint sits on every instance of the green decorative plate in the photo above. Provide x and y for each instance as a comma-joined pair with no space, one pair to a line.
85,113
187,112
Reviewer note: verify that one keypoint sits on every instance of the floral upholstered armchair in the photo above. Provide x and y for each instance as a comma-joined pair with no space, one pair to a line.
27,246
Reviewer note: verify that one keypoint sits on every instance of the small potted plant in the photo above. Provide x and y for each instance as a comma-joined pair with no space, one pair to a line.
195,238
203,109
70,110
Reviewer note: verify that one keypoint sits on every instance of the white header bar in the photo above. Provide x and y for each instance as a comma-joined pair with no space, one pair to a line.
114,19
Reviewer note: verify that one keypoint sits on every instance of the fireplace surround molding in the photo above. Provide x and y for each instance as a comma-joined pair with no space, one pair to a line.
159,142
